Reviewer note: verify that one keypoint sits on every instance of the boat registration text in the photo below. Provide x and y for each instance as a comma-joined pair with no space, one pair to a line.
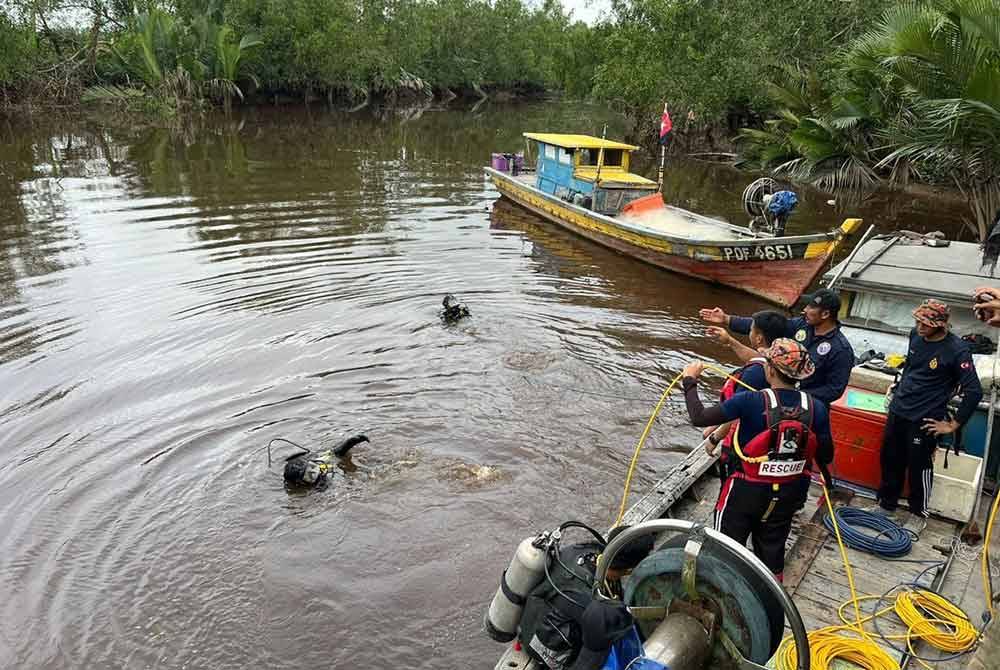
762,252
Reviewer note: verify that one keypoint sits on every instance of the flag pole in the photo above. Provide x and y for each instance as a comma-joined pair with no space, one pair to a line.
600,159
663,158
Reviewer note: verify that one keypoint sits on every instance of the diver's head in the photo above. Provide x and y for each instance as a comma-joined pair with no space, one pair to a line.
301,470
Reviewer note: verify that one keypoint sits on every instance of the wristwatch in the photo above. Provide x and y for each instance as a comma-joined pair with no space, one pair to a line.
714,440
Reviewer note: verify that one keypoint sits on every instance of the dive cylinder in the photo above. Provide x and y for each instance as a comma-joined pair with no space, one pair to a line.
525,572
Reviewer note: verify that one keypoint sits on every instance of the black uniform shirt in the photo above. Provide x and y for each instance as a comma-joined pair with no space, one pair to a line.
831,352
933,373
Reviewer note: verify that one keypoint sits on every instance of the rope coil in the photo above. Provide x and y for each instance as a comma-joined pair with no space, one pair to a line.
890,540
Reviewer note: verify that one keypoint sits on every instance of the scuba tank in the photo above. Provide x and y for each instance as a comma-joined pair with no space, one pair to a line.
525,572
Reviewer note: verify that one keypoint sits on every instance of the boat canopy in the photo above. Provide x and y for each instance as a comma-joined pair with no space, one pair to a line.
569,141
883,284
948,273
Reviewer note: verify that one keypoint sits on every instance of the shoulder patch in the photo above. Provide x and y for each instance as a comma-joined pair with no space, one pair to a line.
800,335
823,349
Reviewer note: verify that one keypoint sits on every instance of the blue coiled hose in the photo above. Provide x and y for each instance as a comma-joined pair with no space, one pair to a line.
889,540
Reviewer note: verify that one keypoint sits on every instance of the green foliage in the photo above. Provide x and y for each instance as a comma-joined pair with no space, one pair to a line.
193,50
942,61
917,93
715,56
815,136
182,59
453,44
19,52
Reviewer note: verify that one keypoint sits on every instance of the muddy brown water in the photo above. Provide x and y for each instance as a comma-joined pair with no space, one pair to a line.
171,301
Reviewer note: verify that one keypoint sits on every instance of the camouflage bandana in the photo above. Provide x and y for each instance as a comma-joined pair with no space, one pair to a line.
932,313
790,358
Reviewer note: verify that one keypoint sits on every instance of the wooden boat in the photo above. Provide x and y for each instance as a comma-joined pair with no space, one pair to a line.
583,183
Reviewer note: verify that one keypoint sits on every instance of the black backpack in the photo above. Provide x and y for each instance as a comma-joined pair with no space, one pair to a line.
549,629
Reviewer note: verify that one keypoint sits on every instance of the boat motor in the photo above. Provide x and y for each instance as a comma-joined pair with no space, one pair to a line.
768,207
525,572
702,601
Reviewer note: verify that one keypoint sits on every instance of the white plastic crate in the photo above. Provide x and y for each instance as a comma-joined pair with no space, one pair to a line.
954,492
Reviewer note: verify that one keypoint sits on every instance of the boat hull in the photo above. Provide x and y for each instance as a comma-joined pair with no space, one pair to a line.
776,269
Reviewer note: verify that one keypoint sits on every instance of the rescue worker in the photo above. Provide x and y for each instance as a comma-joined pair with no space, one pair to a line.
782,432
818,330
938,364
551,624
766,327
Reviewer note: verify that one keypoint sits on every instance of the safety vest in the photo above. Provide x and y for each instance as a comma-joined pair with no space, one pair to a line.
783,452
728,391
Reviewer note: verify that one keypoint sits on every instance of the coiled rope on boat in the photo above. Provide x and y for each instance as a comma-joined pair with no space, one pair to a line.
890,540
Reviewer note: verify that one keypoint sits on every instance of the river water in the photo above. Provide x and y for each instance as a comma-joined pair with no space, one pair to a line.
172,300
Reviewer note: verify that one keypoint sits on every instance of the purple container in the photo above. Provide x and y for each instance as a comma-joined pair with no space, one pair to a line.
509,163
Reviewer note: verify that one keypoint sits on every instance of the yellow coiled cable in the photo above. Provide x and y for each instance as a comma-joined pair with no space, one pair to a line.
936,620
927,616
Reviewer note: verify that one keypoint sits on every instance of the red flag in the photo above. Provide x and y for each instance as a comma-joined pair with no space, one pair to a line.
666,125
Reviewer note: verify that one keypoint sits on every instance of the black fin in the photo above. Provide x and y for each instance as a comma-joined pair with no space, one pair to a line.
348,444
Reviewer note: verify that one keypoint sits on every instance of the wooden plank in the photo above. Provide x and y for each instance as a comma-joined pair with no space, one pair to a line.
810,539
670,489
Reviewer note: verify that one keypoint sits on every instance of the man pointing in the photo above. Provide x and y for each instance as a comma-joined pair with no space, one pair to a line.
818,330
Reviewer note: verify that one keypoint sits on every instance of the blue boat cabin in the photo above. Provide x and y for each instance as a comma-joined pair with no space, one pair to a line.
588,171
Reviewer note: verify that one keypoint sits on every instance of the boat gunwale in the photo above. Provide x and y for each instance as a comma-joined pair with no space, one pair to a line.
827,236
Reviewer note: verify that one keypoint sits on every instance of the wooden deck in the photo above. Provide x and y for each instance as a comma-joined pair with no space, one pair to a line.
814,573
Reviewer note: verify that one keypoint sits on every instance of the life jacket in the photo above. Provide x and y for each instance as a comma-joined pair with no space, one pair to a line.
728,391
783,452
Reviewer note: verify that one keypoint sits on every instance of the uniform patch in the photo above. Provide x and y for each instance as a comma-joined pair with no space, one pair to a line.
823,349
933,364
800,335
966,365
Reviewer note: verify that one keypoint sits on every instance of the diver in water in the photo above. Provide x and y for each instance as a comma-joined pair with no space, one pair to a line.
453,309
312,468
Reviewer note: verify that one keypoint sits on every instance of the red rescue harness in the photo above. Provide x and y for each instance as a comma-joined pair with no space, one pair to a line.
784,451
728,391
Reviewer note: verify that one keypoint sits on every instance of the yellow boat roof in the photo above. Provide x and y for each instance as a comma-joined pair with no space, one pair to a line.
612,174
578,141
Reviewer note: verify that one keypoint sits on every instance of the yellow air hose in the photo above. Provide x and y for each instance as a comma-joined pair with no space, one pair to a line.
927,615
649,427
987,586
638,447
